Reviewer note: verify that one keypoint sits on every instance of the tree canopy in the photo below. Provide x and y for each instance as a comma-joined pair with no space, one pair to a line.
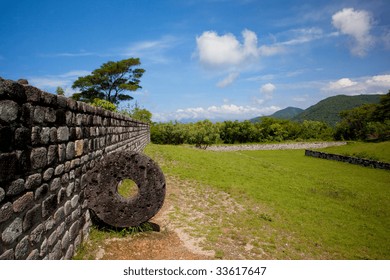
110,82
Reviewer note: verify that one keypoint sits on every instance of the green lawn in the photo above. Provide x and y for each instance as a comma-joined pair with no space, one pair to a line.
375,151
322,209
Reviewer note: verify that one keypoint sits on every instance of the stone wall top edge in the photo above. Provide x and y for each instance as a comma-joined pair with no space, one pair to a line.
22,93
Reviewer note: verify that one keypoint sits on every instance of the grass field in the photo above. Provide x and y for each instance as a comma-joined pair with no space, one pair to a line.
374,151
309,208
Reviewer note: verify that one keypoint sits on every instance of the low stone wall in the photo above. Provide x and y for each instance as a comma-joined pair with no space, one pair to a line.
352,160
47,144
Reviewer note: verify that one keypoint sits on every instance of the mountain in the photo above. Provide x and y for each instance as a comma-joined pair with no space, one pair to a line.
287,113
328,110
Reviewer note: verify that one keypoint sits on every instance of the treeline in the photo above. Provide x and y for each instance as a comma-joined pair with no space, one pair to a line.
367,122
205,133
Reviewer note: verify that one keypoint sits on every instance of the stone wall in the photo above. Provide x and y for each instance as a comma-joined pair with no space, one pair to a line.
352,160
47,143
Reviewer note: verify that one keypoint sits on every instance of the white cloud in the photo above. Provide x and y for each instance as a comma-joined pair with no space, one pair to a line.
356,24
225,111
51,82
268,90
221,51
362,85
342,83
228,80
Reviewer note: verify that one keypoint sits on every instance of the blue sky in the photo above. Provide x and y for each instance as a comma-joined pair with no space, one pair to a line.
215,59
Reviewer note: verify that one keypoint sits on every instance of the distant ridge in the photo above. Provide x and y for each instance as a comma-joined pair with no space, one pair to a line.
328,110
284,114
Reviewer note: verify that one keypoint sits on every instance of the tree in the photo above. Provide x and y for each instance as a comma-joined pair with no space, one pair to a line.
110,81
60,91
138,113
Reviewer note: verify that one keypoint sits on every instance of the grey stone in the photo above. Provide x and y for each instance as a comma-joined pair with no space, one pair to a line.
8,255
49,205
74,229
6,212
59,170
38,158
52,155
36,135
70,150
48,174
76,213
61,229
49,224
8,110
67,208
50,115
74,201
65,179
44,248
61,195
32,217
22,138
34,255
45,135
63,133
22,249
23,202
52,238
13,231
33,181
61,152
70,189
55,184
39,114
36,234
56,252
2,194
41,192
53,135
69,253
59,215
16,187
65,241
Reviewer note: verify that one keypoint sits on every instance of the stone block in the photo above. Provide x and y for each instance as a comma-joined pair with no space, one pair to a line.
59,170
32,217
8,255
70,150
13,231
59,215
36,234
48,174
36,135
44,248
33,181
38,158
45,135
52,155
53,135
67,208
63,133
56,252
22,249
34,255
9,110
41,192
55,184
49,205
16,187
22,138
6,212
69,253
74,229
50,115
23,202
61,152
65,241
52,238
79,146
39,114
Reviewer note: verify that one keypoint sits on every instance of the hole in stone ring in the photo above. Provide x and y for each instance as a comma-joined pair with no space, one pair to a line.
127,188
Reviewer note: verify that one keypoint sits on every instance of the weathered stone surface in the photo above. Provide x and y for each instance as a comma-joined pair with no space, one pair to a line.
6,212
39,114
65,241
32,217
63,133
74,201
70,150
45,135
8,255
22,249
34,255
8,110
36,234
55,184
79,144
53,135
59,170
74,229
67,208
13,231
16,187
111,208
61,152
48,174
59,215
38,158
33,181
41,192
2,194
50,115
69,253
56,252
44,248
23,202
49,205
52,155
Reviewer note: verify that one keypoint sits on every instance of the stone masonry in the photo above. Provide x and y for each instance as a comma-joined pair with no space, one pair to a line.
47,144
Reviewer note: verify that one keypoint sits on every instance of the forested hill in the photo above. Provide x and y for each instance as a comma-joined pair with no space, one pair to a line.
328,110
284,114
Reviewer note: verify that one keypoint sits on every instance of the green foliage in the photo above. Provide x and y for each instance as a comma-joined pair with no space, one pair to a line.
205,133
60,91
110,81
366,122
107,105
138,113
